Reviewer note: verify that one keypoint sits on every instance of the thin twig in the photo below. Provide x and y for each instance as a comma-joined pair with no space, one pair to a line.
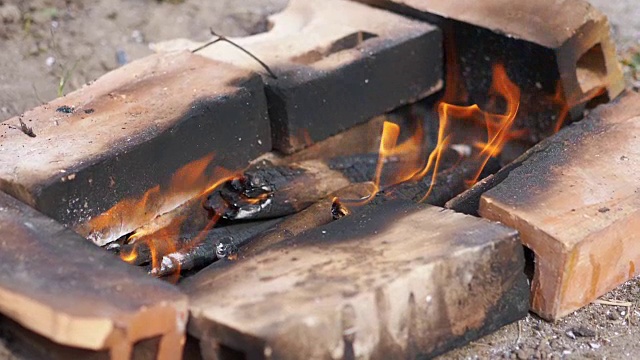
225,39
613,303
519,333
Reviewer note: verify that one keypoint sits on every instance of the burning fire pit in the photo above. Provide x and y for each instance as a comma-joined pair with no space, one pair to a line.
297,201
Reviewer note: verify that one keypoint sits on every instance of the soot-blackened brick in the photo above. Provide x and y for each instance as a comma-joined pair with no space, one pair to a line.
338,63
146,120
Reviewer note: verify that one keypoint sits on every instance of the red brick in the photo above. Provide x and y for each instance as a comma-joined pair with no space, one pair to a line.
131,130
338,64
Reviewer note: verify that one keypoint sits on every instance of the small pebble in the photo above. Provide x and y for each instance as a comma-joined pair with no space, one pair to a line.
121,57
65,109
50,61
137,36
583,332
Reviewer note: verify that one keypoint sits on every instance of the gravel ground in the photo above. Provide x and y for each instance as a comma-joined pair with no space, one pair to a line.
50,47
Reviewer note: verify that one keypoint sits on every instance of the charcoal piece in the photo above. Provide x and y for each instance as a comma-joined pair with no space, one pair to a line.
217,243
248,239
333,207
448,183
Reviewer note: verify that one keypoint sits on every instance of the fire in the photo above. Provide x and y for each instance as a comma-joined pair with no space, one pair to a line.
192,181
409,152
122,217
559,100
498,128
165,239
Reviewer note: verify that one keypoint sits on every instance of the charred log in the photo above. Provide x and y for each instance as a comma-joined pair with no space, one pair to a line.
268,191
322,212
446,185
245,240
217,243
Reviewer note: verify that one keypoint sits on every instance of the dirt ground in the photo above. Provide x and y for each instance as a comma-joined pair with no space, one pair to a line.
50,47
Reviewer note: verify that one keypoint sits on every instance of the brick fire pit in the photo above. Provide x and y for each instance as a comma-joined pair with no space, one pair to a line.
291,214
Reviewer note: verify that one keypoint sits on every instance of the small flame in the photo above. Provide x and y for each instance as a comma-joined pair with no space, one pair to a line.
559,100
131,256
408,153
499,126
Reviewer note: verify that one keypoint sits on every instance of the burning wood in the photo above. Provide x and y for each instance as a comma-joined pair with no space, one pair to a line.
398,269
268,191
438,189
333,207
206,247
245,240
574,198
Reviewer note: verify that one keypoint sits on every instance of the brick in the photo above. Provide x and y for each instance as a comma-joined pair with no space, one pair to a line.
338,64
574,199
131,130
541,43
60,286
399,280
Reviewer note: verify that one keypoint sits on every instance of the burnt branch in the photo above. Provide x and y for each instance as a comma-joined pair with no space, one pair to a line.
225,39
268,191
217,243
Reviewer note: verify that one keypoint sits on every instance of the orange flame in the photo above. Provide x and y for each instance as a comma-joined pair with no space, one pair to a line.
192,181
559,100
499,126
123,216
498,133
409,153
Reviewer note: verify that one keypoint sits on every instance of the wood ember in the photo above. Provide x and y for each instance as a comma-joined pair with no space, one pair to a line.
574,199
273,191
267,191
400,280
66,289
446,185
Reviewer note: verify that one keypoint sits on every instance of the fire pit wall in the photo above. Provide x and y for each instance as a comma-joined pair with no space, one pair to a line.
125,137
